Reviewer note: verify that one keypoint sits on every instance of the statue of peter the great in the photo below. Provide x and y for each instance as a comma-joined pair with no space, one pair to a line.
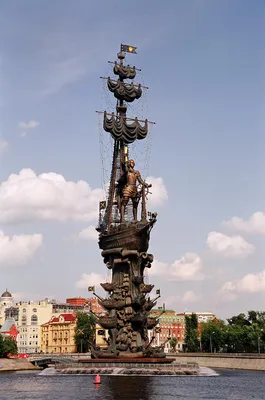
127,189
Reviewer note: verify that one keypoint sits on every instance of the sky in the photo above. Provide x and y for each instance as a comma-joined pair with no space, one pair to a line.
204,63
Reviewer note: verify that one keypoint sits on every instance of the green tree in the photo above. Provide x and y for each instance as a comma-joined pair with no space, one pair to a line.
239,320
173,343
10,346
246,333
1,345
85,331
212,335
7,346
191,333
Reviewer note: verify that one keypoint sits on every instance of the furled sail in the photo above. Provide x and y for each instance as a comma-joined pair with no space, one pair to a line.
120,129
124,71
128,92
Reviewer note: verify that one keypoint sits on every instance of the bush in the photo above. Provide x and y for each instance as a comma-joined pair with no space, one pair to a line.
7,346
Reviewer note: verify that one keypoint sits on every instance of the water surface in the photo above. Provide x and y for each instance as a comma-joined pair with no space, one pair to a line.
241,385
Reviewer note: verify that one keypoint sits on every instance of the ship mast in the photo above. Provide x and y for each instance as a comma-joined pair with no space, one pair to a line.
122,132
118,151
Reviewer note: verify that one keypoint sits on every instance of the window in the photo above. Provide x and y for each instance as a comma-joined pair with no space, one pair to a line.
24,310
34,319
24,320
34,310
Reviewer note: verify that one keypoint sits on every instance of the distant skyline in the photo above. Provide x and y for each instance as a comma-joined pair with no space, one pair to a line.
204,64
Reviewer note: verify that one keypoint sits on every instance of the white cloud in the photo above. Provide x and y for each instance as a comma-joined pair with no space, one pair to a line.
28,197
91,279
254,225
88,233
28,125
18,249
250,283
188,268
158,268
158,191
190,297
226,293
229,246
3,145
179,300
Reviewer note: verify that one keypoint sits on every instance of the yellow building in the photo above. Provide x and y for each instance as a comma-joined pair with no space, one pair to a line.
101,336
58,334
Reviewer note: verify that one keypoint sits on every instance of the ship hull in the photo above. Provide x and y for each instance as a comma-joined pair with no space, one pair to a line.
131,237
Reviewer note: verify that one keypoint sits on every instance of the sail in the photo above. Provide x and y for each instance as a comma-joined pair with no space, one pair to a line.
124,71
127,92
120,129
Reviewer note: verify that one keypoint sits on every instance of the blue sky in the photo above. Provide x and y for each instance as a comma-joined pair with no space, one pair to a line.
204,63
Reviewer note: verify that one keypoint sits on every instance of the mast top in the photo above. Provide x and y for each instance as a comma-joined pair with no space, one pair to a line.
125,48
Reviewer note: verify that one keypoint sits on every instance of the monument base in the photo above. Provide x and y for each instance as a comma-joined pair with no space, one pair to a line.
127,360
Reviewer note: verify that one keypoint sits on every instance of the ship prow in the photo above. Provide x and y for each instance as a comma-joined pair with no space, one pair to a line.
132,236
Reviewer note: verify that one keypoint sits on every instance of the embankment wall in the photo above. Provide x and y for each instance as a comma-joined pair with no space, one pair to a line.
227,361
15,365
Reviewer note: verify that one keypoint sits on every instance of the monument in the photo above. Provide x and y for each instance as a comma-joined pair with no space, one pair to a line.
124,230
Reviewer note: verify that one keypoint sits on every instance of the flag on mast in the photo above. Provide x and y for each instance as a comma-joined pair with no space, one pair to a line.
128,49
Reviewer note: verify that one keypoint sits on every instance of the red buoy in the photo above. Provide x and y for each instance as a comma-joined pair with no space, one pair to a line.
97,379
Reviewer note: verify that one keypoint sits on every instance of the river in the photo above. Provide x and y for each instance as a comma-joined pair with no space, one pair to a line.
46,385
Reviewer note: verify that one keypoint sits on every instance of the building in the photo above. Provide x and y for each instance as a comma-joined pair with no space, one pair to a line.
170,325
76,301
12,312
102,336
65,308
9,329
30,318
58,334
6,300
91,304
202,316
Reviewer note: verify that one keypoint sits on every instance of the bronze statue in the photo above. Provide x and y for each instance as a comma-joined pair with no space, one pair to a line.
127,188
125,245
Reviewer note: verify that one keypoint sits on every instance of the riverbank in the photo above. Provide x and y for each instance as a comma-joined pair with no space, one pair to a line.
16,364
223,361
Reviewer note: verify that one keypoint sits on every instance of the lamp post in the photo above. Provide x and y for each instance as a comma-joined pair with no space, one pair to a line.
211,343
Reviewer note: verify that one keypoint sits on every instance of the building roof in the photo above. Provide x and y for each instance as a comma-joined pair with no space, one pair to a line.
6,294
65,317
9,322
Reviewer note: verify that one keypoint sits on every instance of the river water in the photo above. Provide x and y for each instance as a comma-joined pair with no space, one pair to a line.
225,385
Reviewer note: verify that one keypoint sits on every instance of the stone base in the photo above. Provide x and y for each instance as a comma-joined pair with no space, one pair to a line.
128,368
127,360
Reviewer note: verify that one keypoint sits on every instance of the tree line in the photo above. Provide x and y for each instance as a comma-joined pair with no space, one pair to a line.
240,334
